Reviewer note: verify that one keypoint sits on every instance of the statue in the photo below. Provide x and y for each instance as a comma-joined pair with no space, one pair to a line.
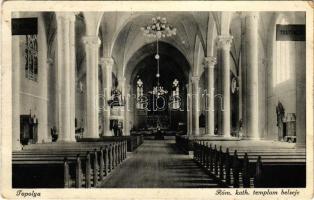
120,128
34,129
280,111
240,135
202,120
216,130
116,98
54,134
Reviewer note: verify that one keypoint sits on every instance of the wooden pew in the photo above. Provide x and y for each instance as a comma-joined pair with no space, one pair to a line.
250,167
75,165
45,171
132,142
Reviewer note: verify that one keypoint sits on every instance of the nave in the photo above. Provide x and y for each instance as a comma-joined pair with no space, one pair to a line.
159,164
185,163
88,89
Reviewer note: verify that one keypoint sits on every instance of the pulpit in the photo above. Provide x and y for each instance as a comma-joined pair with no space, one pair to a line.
290,120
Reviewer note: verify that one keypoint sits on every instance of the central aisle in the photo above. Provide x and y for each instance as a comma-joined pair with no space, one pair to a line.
158,164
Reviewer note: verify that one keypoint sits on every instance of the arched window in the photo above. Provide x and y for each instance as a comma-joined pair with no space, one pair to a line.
139,94
175,95
282,59
31,52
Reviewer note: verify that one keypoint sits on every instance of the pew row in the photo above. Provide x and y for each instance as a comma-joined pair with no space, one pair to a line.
236,165
132,141
258,167
66,165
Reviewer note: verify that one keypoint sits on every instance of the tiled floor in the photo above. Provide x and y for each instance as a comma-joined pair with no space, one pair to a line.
158,164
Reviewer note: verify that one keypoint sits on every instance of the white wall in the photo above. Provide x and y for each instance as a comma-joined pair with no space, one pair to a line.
34,95
291,92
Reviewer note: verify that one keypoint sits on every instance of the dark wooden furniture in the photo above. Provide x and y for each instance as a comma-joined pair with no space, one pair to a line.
133,142
57,165
28,133
253,166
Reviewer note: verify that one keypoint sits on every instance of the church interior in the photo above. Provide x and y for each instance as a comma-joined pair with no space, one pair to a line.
162,96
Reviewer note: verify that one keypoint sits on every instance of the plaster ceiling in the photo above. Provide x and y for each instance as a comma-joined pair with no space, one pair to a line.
122,36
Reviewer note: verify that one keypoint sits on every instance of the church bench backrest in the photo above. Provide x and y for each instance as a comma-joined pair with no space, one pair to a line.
103,156
250,164
36,170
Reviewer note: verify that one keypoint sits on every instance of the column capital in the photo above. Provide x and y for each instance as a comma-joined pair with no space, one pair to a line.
122,79
210,62
91,40
252,15
128,88
195,79
66,16
224,41
106,62
49,61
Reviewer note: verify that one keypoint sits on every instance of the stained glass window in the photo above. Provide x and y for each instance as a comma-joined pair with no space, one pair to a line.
175,95
31,57
139,94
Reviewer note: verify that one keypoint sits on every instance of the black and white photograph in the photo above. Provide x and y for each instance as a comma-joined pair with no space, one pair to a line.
212,99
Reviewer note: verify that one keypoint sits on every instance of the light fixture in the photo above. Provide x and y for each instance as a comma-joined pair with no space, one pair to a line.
159,28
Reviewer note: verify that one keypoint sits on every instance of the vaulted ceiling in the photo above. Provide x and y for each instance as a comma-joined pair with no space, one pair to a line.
122,36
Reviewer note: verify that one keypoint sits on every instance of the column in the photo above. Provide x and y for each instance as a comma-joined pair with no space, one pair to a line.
73,72
126,126
91,47
188,109
16,68
224,42
65,67
106,67
121,87
252,67
43,130
301,95
210,65
195,105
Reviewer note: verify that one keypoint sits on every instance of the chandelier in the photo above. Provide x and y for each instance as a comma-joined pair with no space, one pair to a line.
159,28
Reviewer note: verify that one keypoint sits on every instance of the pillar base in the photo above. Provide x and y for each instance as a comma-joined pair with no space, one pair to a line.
226,136
252,138
65,141
17,147
213,138
127,134
210,135
107,133
196,133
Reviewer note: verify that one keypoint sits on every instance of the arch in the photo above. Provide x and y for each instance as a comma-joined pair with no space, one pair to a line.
80,31
198,57
225,22
235,30
129,20
93,19
211,36
136,15
150,49
142,64
203,87
51,30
